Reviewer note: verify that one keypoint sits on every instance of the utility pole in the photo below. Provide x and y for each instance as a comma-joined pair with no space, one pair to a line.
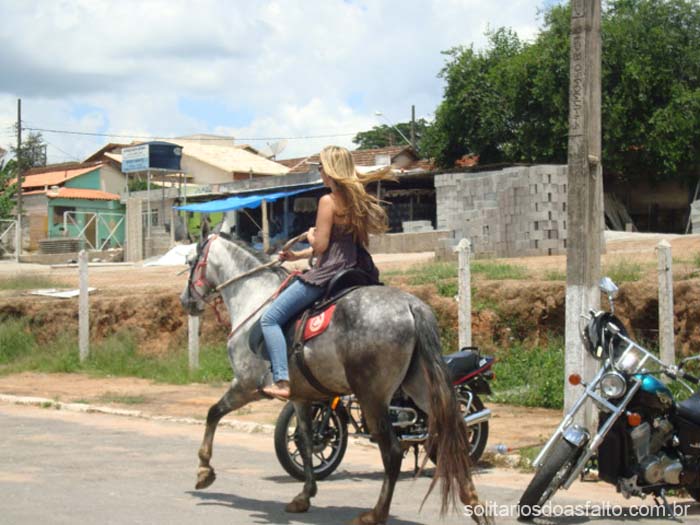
413,128
585,191
19,176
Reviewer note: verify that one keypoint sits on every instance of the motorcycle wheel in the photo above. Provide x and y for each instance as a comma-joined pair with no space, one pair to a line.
694,493
329,443
478,434
548,478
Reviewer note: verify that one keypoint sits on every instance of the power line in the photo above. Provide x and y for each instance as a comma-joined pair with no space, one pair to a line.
68,155
113,135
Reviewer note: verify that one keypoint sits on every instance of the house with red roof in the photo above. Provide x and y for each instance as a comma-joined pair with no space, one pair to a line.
75,200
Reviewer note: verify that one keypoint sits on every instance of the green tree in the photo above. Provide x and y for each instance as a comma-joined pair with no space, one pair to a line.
32,152
509,102
384,135
8,188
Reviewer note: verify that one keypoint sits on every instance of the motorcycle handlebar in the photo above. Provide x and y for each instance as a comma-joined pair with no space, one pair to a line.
691,378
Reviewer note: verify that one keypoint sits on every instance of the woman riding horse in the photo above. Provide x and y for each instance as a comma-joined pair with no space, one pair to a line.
344,220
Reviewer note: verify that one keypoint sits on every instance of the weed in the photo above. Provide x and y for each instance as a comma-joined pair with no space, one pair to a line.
447,288
696,260
555,275
116,355
29,282
530,376
498,271
432,273
623,271
15,340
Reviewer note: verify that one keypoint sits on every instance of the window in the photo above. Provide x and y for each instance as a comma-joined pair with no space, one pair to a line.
58,212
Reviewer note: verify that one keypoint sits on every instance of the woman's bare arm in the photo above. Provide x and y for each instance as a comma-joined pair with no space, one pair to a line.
320,236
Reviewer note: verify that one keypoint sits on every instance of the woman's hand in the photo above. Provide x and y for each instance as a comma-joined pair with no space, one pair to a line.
311,235
288,255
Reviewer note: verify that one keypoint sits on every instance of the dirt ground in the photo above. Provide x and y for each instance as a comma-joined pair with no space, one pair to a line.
194,400
144,300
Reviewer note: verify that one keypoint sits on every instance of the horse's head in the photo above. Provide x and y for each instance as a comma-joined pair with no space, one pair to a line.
199,288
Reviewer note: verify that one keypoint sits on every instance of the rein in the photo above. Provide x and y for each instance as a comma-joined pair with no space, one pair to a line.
201,267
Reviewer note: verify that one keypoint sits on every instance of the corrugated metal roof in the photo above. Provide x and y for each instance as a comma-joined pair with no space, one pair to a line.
80,193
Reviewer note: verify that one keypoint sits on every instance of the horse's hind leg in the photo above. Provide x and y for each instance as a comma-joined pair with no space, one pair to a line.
302,501
377,416
233,399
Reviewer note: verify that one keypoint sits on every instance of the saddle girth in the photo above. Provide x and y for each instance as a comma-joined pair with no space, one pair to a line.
297,354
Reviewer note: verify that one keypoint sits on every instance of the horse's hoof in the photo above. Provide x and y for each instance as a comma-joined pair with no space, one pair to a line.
205,477
298,504
367,518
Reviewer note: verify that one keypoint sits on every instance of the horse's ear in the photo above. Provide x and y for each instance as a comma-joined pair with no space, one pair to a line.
205,228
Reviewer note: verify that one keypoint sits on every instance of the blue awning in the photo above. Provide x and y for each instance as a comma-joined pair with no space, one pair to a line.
242,201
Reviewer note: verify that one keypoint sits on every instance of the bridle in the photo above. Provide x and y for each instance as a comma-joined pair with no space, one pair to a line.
211,293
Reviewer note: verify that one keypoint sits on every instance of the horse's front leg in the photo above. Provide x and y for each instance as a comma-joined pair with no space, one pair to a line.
302,501
233,399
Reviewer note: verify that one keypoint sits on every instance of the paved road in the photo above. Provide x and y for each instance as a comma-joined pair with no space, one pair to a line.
63,467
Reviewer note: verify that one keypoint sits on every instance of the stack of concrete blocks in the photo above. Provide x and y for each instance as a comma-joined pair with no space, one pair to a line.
416,226
512,212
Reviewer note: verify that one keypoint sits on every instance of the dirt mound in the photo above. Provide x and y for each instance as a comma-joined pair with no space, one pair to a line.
529,311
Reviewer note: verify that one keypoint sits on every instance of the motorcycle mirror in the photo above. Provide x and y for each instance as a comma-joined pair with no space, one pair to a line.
608,287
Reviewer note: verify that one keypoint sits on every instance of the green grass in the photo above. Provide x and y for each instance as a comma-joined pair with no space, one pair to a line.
623,271
432,273
29,282
498,271
555,275
530,376
696,260
114,356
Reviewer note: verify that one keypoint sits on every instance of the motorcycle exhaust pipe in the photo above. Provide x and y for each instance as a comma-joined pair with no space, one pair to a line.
478,417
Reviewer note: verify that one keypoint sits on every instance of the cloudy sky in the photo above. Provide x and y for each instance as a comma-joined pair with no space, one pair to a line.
254,69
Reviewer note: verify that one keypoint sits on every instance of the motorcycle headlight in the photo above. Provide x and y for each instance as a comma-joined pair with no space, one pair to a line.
629,360
613,385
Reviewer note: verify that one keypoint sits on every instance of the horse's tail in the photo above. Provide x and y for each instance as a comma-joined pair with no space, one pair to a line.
447,431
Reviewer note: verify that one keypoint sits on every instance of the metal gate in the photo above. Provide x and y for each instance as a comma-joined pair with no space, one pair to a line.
92,224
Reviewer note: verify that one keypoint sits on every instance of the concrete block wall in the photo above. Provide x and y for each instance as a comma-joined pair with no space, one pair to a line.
511,212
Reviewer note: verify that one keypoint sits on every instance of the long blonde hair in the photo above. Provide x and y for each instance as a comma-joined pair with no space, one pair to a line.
363,211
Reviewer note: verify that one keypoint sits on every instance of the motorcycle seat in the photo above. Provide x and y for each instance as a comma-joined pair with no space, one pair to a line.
689,409
463,362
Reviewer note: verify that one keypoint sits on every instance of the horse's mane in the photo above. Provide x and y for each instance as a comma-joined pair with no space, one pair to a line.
252,257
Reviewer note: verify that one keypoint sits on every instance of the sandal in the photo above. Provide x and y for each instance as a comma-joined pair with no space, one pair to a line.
279,390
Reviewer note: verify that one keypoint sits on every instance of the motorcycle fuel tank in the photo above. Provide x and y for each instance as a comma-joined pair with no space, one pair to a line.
651,385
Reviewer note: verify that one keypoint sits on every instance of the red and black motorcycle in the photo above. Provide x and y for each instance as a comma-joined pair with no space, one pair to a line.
470,372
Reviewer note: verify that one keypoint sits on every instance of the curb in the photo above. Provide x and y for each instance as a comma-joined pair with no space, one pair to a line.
239,426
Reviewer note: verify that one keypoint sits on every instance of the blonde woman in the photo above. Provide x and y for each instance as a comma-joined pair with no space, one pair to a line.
345,218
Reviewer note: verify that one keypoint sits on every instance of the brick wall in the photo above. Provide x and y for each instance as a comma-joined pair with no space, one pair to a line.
506,213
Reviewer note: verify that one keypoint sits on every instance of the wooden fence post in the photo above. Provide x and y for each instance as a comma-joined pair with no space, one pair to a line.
463,250
83,308
666,318
193,339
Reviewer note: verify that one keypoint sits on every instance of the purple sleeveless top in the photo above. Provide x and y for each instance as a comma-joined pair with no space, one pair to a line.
342,253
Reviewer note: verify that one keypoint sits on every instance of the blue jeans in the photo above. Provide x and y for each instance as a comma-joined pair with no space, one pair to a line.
292,301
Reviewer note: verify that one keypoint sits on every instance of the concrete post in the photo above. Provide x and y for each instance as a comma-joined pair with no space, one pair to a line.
18,241
193,341
83,308
463,250
585,194
666,317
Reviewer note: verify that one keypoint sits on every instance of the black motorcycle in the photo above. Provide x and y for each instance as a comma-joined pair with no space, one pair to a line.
470,374
645,443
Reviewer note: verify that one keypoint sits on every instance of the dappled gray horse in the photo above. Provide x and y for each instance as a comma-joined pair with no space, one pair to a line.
379,339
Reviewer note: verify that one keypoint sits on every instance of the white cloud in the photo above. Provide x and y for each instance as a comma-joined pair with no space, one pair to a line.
253,69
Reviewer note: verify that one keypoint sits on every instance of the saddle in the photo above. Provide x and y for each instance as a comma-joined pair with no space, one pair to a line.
312,322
